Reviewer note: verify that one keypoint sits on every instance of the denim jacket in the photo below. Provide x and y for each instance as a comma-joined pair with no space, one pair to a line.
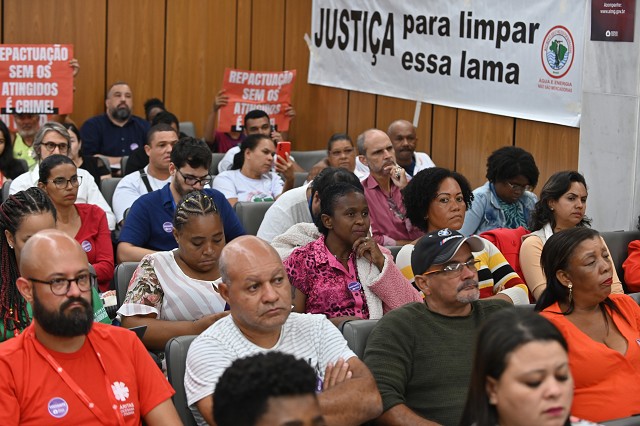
485,212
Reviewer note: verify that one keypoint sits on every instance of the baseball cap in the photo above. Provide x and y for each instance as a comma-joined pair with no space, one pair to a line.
438,247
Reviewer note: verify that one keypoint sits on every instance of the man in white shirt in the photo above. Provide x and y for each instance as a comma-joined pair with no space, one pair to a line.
256,287
53,138
158,146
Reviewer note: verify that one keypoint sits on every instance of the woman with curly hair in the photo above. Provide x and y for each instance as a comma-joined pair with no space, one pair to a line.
437,198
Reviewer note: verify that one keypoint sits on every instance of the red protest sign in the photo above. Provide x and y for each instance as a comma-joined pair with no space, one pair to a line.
249,90
36,79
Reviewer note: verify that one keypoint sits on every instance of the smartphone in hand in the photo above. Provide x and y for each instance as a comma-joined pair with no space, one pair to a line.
283,148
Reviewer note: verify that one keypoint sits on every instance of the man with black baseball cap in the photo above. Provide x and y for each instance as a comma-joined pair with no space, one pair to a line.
421,354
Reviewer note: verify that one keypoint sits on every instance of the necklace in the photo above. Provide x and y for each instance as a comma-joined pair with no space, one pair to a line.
343,258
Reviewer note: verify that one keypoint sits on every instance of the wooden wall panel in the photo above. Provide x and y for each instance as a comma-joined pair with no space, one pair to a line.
243,34
321,111
81,23
362,113
391,109
443,137
478,135
135,48
268,35
200,44
554,147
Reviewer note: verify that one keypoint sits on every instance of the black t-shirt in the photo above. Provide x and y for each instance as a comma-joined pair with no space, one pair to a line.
95,166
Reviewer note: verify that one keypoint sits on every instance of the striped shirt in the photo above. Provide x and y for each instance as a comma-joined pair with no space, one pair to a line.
306,336
159,286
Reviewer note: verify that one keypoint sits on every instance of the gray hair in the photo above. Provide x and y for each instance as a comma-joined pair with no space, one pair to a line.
50,126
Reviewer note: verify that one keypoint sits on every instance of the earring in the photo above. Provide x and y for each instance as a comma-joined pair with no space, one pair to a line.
551,208
10,246
570,293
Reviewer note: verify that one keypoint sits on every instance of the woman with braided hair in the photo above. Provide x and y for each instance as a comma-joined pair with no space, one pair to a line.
175,293
22,215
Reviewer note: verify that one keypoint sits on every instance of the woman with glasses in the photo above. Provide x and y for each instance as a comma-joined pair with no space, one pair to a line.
53,138
506,200
250,177
175,293
84,222
10,168
22,215
562,205
437,198
344,274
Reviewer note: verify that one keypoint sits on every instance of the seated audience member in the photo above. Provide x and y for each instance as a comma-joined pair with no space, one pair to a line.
22,215
117,132
175,293
298,205
562,205
10,168
139,158
149,228
84,222
53,138
602,329
257,122
94,165
421,354
520,374
404,139
251,178
631,265
389,224
341,152
505,200
160,141
64,368
153,107
344,274
27,126
268,389
256,287
221,141
437,198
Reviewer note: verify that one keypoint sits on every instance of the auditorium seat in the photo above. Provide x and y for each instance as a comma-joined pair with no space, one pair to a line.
108,187
251,214
188,128
356,333
307,159
121,278
216,157
618,243
176,356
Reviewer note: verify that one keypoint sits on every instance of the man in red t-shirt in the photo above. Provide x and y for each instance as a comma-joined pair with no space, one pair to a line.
63,369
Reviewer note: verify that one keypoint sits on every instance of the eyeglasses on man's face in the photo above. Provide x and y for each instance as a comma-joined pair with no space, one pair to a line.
51,146
453,270
193,180
62,183
60,286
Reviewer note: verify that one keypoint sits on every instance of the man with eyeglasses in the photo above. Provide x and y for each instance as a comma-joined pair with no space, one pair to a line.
53,138
64,368
421,354
149,228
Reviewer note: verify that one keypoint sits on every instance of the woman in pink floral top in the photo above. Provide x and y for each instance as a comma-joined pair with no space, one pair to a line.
344,274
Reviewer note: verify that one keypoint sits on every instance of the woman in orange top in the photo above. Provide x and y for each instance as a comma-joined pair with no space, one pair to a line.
602,329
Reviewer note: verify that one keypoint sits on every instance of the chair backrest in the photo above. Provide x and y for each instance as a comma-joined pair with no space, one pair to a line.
108,187
251,214
188,128
176,356
618,243
636,297
215,160
394,251
307,159
5,190
300,179
356,333
121,278
105,161
123,163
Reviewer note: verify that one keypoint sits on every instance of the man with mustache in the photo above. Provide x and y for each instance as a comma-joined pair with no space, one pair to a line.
63,368
421,354
389,225
117,132
256,287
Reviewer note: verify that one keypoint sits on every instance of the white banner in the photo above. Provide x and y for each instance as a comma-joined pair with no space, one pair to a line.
519,58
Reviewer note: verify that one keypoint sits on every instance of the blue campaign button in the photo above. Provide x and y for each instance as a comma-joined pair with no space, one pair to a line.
354,286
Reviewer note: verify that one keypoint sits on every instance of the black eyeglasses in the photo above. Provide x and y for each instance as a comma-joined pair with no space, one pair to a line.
455,269
51,146
60,286
518,187
62,183
192,180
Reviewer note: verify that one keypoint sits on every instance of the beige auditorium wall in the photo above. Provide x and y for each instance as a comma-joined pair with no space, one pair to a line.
177,50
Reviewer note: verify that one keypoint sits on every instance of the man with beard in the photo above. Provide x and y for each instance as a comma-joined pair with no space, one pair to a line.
421,354
389,224
64,368
256,287
27,125
117,132
149,228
